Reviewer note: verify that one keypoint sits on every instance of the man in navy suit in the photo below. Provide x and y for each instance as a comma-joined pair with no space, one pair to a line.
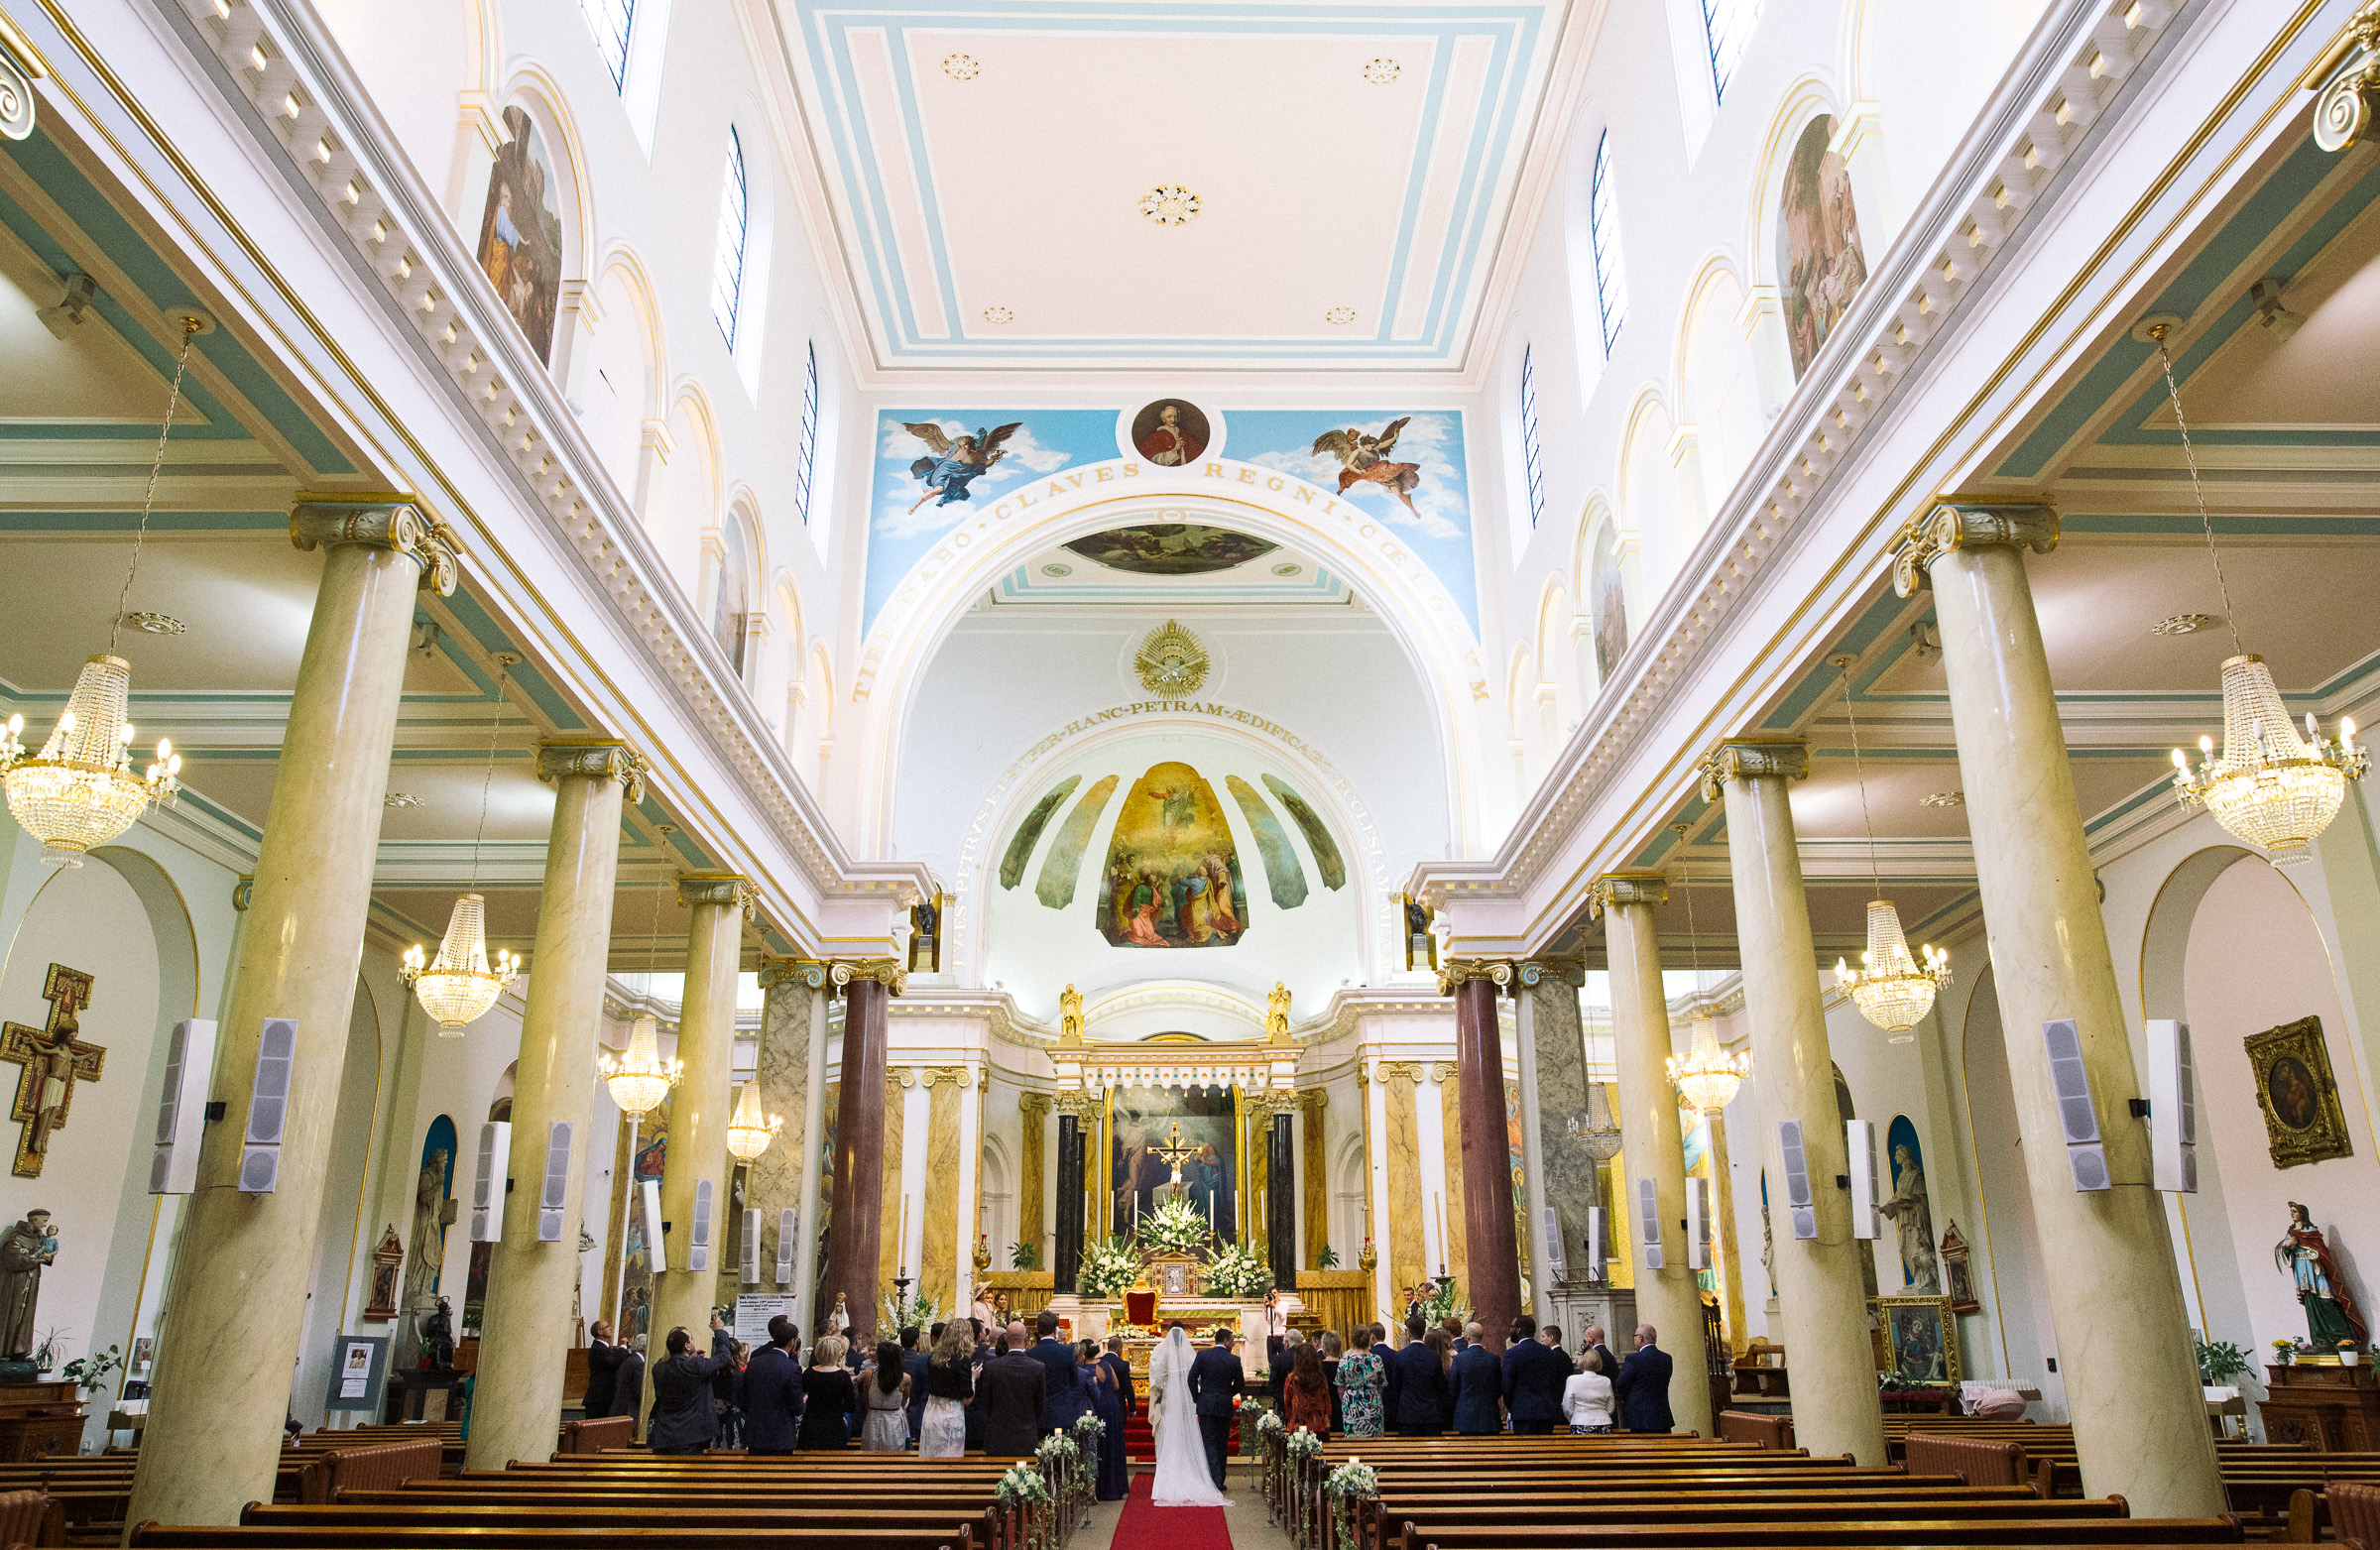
1062,1400
1478,1382
1534,1375
1423,1395
1214,1381
1642,1387
1593,1341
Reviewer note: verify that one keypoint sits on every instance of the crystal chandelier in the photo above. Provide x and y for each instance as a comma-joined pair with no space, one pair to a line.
461,985
2269,787
1707,1077
640,1080
1892,988
81,791
748,1134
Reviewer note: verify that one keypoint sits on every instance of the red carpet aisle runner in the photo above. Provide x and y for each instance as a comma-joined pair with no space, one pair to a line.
1141,1444
1147,1526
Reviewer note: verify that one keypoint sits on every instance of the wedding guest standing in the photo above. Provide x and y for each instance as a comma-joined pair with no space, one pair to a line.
1307,1393
1115,1474
773,1391
887,1391
1587,1397
1362,1381
949,1385
828,1398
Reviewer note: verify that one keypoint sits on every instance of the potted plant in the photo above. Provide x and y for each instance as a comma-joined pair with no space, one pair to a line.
2285,1351
1024,1256
89,1372
2219,1363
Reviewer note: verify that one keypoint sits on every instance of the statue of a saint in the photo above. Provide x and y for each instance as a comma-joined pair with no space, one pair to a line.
434,1213
2332,1318
1911,1213
24,1249
1070,1016
1277,1015
437,1332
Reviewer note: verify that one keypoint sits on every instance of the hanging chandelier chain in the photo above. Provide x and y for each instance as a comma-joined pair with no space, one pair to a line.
487,781
1694,943
157,465
1860,776
2189,456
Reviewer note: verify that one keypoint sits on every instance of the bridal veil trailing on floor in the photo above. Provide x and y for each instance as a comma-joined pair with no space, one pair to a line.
1182,1480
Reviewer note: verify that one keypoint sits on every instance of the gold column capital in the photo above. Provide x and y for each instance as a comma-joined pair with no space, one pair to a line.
1561,971
1033,1106
2347,79
808,972
887,972
956,1076
1081,1105
1442,1072
1275,1100
21,64
593,759
1411,1070
1460,971
1626,888
717,888
386,522
898,1079
1314,1099
1752,758
1951,526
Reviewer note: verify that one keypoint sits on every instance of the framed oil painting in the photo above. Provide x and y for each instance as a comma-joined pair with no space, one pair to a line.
1921,1339
1171,548
1171,433
2303,1121
521,231
1157,1134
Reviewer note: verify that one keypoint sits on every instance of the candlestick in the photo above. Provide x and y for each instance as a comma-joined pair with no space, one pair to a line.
900,1244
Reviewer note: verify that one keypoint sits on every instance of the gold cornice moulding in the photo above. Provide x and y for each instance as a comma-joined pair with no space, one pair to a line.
1753,758
1651,888
387,522
593,759
1952,525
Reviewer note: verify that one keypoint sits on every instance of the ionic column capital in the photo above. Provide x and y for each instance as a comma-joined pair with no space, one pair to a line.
719,889
1033,1106
593,759
1081,1105
1531,972
1626,888
1952,526
887,972
1753,758
2349,72
808,972
1459,971
385,523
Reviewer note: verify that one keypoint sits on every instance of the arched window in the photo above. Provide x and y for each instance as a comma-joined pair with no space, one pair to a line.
805,451
613,20
1602,233
1531,463
1728,24
726,270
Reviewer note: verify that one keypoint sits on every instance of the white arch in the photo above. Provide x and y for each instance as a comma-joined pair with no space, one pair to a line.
1364,549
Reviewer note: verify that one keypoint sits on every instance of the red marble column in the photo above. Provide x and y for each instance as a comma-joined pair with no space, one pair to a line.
855,1230
1489,1242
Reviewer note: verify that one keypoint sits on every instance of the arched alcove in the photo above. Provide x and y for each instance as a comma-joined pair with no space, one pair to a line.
2009,1280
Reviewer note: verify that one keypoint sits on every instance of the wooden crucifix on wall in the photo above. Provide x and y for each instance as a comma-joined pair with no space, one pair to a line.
55,1059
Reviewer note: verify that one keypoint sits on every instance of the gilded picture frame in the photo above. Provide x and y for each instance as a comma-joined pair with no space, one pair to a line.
1921,1339
2303,1121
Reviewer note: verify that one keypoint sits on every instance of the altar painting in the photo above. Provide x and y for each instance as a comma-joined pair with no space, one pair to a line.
1173,875
1143,1119
629,1265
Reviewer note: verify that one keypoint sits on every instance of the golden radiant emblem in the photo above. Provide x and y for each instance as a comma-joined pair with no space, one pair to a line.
1171,662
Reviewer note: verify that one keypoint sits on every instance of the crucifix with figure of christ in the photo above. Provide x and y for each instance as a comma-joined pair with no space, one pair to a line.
1177,1154
55,1059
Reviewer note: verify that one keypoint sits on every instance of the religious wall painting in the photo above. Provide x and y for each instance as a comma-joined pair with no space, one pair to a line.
2333,1319
953,461
1063,866
1028,833
1957,1272
1171,433
1172,876
53,1060
1318,837
1284,874
2303,1121
388,1262
1908,1207
1820,265
644,1153
433,1212
1920,1338
1170,548
1156,1133
1609,591
521,231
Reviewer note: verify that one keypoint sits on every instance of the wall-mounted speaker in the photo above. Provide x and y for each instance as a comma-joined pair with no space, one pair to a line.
698,1245
267,1107
1554,1246
487,1183
656,1242
748,1269
181,1108
1598,1244
1801,1207
1649,1223
1859,1139
2173,1107
1697,1225
554,1191
2078,1113
789,1237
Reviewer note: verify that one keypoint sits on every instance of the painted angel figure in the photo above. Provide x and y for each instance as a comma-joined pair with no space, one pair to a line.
1364,459
956,464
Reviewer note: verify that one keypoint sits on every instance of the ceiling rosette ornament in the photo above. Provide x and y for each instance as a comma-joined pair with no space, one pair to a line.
1171,662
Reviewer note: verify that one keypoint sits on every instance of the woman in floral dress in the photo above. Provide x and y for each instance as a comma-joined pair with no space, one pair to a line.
1363,1379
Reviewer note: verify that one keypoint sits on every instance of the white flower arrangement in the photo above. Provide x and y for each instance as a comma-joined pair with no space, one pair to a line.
1090,1428
1268,1423
1108,1267
1057,1445
1350,1481
1302,1444
1237,1272
1175,1228
1022,1486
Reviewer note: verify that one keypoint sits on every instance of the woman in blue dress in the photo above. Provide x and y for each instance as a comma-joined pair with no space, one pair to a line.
1107,1402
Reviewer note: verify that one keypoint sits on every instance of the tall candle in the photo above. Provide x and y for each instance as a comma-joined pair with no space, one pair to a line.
900,1244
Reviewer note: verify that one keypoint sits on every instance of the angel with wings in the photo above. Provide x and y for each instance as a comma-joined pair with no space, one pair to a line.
1364,459
956,463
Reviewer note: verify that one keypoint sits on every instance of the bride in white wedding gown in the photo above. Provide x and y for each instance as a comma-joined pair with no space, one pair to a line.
1182,1479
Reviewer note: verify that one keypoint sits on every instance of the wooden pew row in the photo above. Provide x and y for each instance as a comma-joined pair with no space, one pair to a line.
435,1536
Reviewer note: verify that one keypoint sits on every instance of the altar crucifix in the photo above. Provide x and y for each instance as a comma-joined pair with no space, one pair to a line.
53,1060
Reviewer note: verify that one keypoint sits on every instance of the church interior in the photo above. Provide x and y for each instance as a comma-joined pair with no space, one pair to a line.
650,608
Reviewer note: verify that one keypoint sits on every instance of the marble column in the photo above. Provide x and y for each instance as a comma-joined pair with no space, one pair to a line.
1281,1206
1670,1299
813,1154
1032,1225
2115,1299
1067,1260
1822,1299
895,1208
854,1228
938,1203
1454,1252
1569,1182
1314,1173
781,1178
236,1297
1400,1081
525,1327
684,1295
1490,1249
